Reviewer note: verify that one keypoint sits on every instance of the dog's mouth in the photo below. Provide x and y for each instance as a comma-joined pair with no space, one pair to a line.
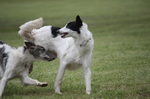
48,59
63,34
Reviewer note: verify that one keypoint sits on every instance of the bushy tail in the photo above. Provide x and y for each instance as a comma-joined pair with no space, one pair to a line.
26,29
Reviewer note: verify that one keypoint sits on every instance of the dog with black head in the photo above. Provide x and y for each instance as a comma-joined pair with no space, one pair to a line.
72,44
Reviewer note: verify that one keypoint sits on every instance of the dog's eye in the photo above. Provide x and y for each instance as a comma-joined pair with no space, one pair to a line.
70,24
32,48
43,50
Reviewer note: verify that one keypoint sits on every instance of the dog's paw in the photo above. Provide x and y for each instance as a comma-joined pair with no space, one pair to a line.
58,92
43,84
88,92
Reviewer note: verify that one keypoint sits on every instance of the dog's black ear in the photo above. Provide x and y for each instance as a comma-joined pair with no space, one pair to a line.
54,31
78,21
29,44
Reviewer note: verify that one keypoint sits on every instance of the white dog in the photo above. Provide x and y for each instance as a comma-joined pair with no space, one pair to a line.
16,63
73,45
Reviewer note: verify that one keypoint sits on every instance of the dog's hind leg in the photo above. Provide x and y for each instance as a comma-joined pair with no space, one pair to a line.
2,85
4,80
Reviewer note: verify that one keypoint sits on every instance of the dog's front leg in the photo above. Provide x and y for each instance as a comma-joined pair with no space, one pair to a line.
59,78
8,75
29,81
87,77
26,80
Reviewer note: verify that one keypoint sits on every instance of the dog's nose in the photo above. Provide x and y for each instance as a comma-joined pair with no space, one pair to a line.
53,58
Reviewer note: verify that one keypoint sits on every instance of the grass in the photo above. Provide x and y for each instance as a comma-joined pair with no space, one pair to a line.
121,56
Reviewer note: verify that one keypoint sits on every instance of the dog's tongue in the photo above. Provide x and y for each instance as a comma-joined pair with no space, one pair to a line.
64,34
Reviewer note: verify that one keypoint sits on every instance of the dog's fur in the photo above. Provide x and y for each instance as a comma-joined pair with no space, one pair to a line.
73,45
16,63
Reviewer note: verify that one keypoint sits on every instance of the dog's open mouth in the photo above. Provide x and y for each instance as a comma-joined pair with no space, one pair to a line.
49,59
63,34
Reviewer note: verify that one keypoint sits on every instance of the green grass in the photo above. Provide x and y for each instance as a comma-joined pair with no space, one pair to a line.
121,56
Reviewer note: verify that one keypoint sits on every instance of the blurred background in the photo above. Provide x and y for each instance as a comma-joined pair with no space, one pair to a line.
101,15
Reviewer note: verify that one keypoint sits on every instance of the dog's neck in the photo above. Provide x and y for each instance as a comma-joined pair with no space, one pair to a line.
84,38
85,42
26,56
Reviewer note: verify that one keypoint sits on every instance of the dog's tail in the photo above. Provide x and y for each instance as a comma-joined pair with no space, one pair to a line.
26,29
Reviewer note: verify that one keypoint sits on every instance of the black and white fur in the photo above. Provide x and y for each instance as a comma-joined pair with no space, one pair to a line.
16,63
73,45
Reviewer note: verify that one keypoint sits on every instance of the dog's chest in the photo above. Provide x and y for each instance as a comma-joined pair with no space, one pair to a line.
75,62
22,66
73,66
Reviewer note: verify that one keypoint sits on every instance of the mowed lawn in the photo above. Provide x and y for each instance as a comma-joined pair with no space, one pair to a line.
121,55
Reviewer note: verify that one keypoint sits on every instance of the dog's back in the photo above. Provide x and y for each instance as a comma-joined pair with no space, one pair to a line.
3,58
4,50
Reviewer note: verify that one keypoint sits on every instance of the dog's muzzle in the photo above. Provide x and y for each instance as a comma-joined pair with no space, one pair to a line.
48,58
63,34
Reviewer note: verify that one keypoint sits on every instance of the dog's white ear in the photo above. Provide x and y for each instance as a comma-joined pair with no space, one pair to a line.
79,21
29,44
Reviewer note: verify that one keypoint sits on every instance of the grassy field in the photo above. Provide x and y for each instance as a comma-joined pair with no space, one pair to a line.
121,56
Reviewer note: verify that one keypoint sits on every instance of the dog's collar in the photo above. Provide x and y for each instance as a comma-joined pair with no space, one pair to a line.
85,42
